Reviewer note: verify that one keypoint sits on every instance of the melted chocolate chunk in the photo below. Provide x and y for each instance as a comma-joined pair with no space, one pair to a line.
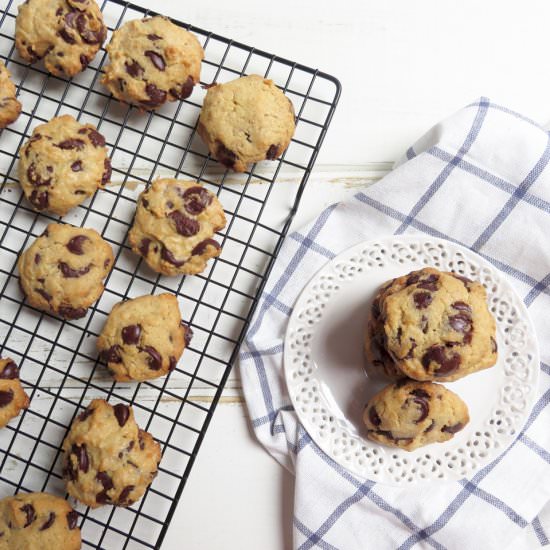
167,256
48,523
419,392
153,37
72,518
374,418
70,273
155,359
184,90
72,143
448,363
424,324
461,322
494,346
9,372
461,306
429,283
422,299
225,155
6,397
40,200
156,59
172,362
29,511
69,312
79,451
131,334
467,282
85,414
124,494
36,179
185,226
66,35
111,355
412,279
96,138
108,170
84,61
201,247
105,479
134,69
44,294
272,152
188,334
76,166
88,35
424,407
430,427
122,413
144,246
76,243
196,199
411,349
156,96
453,429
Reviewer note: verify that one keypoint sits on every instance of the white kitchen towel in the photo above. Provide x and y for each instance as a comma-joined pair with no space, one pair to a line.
480,178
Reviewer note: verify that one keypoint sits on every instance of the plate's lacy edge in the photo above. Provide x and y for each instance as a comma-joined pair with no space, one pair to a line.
364,457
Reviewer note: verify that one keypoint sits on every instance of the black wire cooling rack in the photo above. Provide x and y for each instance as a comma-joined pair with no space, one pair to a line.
58,358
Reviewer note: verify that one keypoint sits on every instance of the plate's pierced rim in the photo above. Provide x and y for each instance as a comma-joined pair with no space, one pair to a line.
459,457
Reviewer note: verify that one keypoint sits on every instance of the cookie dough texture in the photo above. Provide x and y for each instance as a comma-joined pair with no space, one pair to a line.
143,338
108,459
152,61
38,521
62,164
67,34
246,120
9,105
63,270
410,414
12,396
432,325
174,225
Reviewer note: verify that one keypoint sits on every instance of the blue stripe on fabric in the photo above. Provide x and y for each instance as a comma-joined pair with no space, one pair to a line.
373,496
308,533
459,500
540,287
420,226
496,502
338,512
262,352
312,245
539,531
449,167
545,368
410,153
534,446
516,197
495,181
256,422
277,289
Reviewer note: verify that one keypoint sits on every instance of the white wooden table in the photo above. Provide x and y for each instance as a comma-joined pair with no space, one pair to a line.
403,66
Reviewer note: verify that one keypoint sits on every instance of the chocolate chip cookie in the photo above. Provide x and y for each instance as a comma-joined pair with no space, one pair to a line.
245,121
108,459
410,414
38,521
152,61
9,106
12,395
62,164
436,325
143,338
63,270
67,34
174,225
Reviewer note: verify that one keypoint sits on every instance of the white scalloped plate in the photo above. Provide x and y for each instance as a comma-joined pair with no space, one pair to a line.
329,387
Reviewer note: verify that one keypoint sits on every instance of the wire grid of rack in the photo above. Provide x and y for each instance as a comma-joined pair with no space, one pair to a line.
58,359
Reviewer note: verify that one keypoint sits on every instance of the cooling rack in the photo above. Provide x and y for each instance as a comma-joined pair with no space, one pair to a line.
58,359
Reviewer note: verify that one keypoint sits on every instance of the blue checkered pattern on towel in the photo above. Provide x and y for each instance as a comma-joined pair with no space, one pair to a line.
480,178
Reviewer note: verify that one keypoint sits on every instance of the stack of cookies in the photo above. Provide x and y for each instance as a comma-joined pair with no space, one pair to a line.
425,326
